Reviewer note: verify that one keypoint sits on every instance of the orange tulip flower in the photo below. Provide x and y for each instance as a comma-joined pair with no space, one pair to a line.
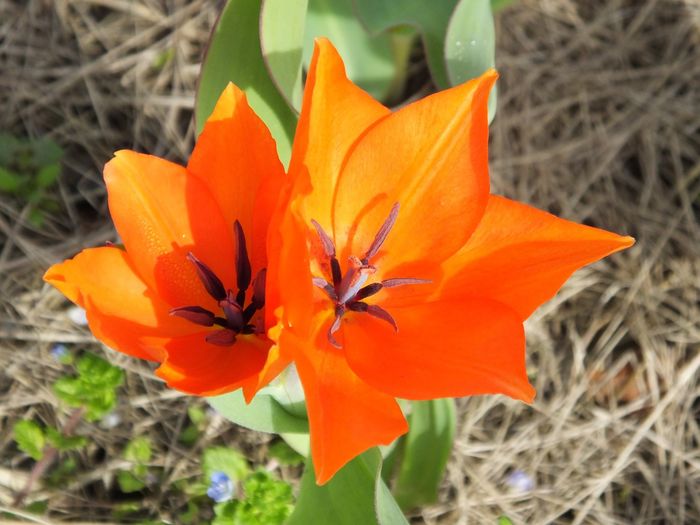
188,290
395,274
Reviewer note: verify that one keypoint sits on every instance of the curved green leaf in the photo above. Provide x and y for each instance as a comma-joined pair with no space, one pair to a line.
429,18
426,450
470,44
263,413
372,62
234,55
282,25
355,495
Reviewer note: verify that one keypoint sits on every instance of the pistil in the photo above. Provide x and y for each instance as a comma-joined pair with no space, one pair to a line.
348,291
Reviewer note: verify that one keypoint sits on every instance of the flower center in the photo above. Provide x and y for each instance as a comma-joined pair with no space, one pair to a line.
237,318
348,291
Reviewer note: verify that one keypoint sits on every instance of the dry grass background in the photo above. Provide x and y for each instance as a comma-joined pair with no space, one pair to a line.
599,121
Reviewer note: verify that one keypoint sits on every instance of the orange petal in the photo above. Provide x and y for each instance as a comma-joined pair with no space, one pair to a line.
451,348
197,367
346,416
431,157
161,214
121,309
521,256
236,159
334,113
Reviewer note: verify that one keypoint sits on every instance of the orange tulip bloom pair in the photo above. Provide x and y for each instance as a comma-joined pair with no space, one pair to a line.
379,265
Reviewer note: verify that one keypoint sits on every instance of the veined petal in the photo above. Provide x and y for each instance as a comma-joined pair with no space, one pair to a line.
161,214
192,365
236,159
120,307
450,348
346,416
334,113
430,157
521,256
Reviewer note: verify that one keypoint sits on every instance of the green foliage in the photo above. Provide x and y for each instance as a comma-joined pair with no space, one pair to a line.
198,421
30,439
27,169
128,482
234,55
375,62
268,501
263,413
425,452
138,452
505,520
356,494
285,454
64,471
470,44
226,460
63,443
94,388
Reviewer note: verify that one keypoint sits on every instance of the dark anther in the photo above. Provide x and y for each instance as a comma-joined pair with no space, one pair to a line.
381,313
368,290
223,337
209,279
382,233
328,245
194,314
243,271
259,289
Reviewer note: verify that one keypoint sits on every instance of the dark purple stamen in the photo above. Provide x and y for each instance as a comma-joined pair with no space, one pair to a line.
243,271
348,290
236,319
211,282
194,314
382,233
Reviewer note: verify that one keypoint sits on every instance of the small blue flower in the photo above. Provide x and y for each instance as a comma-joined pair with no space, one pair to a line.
59,352
221,488
520,481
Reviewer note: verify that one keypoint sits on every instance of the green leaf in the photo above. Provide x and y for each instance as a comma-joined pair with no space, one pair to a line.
47,175
497,5
356,494
282,41
429,18
94,388
225,513
9,182
8,148
263,414
285,454
426,450
138,450
268,501
234,55
30,438
45,152
196,415
61,442
129,483
369,59
504,520
97,372
227,460
470,44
